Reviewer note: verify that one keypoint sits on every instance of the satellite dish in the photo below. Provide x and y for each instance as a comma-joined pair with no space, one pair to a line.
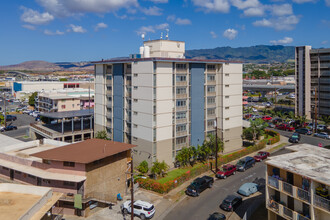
142,36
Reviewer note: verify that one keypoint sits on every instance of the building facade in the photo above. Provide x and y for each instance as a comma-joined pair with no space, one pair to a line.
312,73
162,102
298,184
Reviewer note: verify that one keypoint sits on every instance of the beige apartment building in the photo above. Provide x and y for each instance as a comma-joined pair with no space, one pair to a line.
161,101
298,184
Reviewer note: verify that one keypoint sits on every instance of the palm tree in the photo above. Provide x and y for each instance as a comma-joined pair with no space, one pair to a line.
264,111
257,127
302,119
326,120
292,115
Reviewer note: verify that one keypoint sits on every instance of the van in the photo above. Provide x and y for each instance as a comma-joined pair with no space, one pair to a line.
245,163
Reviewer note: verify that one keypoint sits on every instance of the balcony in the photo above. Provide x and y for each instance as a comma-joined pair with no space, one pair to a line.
321,202
128,82
211,82
181,96
284,212
211,93
303,195
274,206
109,81
287,188
287,212
301,217
181,70
181,108
211,105
181,83
181,121
109,92
273,182
181,133
128,130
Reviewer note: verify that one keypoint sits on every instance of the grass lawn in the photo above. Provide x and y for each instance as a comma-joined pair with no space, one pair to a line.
171,175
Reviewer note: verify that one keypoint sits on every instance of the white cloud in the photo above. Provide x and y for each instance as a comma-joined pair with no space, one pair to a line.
222,6
324,42
152,29
152,11
254,12
35,17
64,8
245,4
77,29
327,2
159,1
100,26
279,23
28,26
286,40
171,18
213,34
281,10
230,34
303,1
57,32
182,21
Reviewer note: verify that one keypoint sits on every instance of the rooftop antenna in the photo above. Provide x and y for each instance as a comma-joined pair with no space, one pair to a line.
161,35
167,38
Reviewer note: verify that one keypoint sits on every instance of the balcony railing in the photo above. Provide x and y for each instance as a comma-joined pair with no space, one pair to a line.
321,202
287,188
274,206
181,133
273,182
211,93
181,96
181,121
181,108
211,82
301,217
303,195
287,212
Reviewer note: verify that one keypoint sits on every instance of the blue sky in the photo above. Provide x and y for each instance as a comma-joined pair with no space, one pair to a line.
86,30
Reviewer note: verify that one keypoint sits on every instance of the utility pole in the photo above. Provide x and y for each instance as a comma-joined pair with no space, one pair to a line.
315,111
132,189
216,144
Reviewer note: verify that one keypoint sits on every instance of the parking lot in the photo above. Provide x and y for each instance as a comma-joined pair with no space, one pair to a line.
22,123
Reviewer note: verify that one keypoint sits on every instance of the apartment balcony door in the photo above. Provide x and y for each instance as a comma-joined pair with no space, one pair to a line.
289,178
11,174
290,203
38,181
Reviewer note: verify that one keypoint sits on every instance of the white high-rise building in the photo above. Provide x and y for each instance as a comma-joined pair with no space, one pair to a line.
161,101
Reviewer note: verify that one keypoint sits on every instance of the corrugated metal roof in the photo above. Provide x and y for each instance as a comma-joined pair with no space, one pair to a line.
68,114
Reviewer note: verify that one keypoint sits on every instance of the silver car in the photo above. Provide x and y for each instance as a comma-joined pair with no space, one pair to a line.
322,135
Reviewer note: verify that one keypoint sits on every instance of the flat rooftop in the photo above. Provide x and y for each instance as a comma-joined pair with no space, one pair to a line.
306,160
68,114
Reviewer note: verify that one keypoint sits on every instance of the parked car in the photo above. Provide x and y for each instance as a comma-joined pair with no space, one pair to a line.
26,111
35,114
321,127
277,120
285,127
231,202
266,118
245,163
144,210
248,189
271,125
11,118
217,216
322,135
199,185
304,131
247,116
9,128
295,138
226,171
261,155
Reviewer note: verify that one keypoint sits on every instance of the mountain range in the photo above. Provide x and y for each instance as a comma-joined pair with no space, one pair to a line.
253,54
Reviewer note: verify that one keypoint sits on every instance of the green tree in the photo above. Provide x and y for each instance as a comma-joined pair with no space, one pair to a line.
248,134
326,120
143,167
32,98
203,152
183,156
159,168
302,119
211,143
264,99
63,79
292,115
102,135
257,128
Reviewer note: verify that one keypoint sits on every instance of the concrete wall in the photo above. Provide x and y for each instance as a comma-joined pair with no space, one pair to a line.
100,89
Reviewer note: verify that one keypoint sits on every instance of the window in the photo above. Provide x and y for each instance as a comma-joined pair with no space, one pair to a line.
135,138
211,111
210,123
227,86
227,74
181,115
181,140
135,87
110,99
227,119
109,110
180,128
135,100
46,161
5,168
109,88
135,75
181,78
226,107
135,113
72,105
210,77
129,66
46,181
227,97
63,106
210,88
181,66
109,77
135,125
137,207
211,67
128,77
181,90
68,164
210,100
18,172
180,103
67,183
32,177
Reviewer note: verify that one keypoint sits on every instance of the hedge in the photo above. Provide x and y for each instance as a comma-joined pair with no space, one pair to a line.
153,185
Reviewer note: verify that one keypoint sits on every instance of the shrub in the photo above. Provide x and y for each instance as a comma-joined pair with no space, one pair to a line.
143,167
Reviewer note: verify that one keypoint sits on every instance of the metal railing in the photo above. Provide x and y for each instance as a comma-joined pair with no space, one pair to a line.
181,96
301,217
35,126
303,195
287,188
321,202
273,206
287,212
181,83
273,182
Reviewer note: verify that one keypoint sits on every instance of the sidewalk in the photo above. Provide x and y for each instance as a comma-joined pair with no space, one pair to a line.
164,204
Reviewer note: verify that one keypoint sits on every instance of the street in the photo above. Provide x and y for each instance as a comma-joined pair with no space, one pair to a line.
208,202
23,121
305,139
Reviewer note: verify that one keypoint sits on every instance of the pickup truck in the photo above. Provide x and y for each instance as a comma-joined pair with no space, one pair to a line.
199,185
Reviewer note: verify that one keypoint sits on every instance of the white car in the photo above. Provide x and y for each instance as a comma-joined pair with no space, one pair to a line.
35,114
144,210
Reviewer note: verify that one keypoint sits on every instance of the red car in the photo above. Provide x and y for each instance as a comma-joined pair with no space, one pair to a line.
247,116
226,170
262,155
266,118
285,127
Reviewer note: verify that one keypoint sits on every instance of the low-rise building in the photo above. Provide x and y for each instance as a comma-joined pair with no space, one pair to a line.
28,202
90,173
298,184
